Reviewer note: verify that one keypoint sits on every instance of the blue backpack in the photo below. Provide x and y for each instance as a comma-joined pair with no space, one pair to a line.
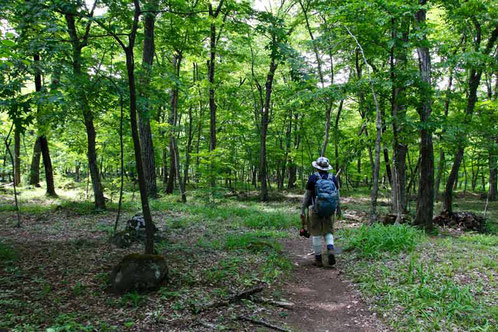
327,196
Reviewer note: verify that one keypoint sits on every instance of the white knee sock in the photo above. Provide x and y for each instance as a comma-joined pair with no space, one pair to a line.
329,239
317,245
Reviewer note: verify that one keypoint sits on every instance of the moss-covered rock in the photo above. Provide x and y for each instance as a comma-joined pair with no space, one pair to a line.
139,272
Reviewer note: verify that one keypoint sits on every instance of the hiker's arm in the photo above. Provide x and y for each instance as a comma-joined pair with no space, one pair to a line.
306,201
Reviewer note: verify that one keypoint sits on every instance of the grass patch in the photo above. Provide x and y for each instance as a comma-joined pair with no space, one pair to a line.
253,241
373,241
440,283
7,253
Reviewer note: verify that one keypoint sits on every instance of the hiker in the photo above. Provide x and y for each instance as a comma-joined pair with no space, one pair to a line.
322,194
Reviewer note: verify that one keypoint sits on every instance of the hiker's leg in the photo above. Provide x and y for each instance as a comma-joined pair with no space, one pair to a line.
329,240
317,244
317,247
316,231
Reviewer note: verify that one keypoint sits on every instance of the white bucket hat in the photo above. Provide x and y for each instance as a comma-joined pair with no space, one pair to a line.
322,164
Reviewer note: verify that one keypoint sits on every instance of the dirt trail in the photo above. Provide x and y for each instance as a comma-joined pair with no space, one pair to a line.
323,300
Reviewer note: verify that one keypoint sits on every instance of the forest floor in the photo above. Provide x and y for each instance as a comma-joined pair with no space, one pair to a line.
54,269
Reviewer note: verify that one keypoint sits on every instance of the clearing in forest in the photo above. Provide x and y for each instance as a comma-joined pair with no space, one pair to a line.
55,268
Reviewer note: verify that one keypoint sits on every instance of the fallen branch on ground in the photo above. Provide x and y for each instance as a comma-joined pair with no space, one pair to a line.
261,322
283,304
233,298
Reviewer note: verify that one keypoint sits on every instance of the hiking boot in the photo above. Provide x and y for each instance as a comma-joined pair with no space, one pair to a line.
331,259
330,253
318,261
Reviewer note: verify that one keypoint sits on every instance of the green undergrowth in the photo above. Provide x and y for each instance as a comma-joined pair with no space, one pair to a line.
373,241
421,283
7,253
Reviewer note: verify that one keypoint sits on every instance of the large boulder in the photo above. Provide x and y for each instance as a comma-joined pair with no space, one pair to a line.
140,272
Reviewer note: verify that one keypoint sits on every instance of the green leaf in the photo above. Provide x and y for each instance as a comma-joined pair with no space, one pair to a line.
8,43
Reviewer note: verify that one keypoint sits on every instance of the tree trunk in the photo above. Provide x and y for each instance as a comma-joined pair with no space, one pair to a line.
80,77
474,80
177,168
440,171
17,155
189,148
148,156
173,119
211,75
442,157
34,174
425,199
493,171
336,136
47,162
130,66
264,129
165,167
398,112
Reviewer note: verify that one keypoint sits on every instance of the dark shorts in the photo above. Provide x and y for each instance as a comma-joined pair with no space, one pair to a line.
319,225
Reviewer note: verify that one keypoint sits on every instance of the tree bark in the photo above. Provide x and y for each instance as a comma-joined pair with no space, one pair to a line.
264,128
211,75
148,156
425,198
34,174
17,155
398,112
80,77
130,66
173,118
47,162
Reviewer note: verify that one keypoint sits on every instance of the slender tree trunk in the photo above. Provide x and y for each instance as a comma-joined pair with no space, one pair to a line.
177,168
80,77
173,119
34,175
47,162
165,167
17,155
12,160
189,148
398,112
130,66
336,135
264,128
121,161
474,80
493,171
211,77
378,127
292,162
425,199
322,81
442,157
148,156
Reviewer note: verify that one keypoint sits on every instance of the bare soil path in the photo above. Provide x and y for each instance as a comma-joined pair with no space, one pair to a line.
324,301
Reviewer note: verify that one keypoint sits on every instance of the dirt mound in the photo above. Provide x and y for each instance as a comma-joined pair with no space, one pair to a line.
465,221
